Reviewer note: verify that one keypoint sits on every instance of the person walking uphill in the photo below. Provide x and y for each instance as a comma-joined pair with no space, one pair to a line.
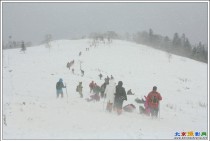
79,89
153,99
59,86
110,94
91,85
120,96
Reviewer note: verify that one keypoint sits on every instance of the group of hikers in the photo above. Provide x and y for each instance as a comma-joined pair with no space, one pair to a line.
69,64
94,43
115,95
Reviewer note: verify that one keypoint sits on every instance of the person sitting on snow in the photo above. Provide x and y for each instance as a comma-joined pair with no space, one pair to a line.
129,108
93,97
145,110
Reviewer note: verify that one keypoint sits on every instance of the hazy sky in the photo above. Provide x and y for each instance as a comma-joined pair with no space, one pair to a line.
32,21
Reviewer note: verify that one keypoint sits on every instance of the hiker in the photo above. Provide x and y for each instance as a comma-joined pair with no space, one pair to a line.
96,90
106,80
153,99
59,86
80,53
79,89
111,77
129,108
91,85
82,72
110,94
72,70
100,75
68,65
120,96
95,96
129,92
103,87
71,63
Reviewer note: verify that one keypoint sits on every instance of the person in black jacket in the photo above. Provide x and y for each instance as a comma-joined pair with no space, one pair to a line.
120,96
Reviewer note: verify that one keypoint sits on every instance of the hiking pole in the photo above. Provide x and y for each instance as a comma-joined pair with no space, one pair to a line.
159,110
66,93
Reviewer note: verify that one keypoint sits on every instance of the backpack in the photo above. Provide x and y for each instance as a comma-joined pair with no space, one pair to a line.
154,99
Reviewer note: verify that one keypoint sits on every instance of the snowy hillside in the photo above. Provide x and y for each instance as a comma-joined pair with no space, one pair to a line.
31,110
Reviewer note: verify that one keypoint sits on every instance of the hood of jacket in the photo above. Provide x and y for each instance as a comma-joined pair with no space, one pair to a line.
60,80
120,83
112,83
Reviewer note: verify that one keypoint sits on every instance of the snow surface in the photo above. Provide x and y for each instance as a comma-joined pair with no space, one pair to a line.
31,110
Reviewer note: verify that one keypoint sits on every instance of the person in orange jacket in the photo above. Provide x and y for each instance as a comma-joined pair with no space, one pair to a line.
153,99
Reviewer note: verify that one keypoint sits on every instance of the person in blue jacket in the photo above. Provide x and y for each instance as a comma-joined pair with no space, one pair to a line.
59,86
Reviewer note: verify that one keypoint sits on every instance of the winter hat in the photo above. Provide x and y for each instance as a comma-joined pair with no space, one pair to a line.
120,83
154,88
60,80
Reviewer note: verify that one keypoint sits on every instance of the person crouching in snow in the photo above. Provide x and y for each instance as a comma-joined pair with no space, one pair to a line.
109,94
94,98
59,86
153,99
129,92
120,96
145,110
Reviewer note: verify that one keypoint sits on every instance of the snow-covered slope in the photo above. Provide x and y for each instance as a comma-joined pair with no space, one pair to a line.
31,110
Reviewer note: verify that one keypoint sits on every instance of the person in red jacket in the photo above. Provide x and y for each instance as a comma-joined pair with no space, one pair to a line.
153,99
